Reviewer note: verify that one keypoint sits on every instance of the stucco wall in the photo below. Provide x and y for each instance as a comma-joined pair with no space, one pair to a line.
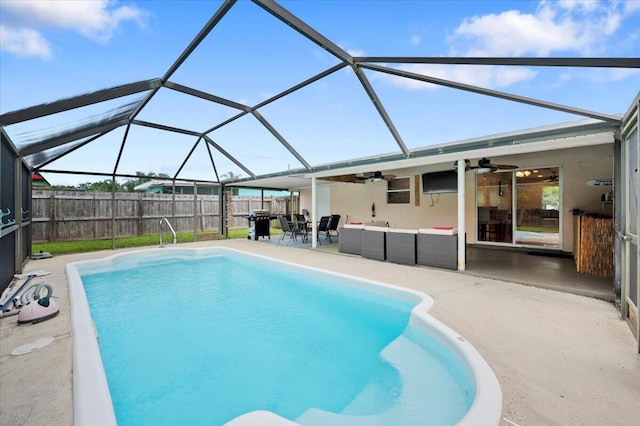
577,166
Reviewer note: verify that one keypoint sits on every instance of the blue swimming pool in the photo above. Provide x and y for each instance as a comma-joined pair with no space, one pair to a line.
203,337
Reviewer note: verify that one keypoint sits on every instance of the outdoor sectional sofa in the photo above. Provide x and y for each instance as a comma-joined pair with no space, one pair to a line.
349,239
437,247
373,240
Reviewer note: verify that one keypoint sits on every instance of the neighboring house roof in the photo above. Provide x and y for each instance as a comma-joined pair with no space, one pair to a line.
37,180
168,184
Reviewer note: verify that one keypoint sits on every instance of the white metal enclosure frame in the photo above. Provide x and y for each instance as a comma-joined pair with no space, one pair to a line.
630,220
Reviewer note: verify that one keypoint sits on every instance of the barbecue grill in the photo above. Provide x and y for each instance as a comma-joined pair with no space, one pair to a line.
260,223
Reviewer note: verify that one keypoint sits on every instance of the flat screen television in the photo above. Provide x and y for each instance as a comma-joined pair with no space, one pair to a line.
440,182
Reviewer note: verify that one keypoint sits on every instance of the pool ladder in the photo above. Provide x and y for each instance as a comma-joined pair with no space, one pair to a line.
162,221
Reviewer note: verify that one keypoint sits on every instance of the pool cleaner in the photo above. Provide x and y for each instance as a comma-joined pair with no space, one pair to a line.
38,310
12,301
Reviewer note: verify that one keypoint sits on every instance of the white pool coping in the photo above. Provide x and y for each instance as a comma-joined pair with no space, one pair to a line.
92,400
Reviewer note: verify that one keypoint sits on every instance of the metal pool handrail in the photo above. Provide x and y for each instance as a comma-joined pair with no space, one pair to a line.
175,238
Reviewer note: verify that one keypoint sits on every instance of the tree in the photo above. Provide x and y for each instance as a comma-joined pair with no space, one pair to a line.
126,186
230,176
101,186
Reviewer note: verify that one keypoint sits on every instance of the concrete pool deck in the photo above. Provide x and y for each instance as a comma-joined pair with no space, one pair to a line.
560,358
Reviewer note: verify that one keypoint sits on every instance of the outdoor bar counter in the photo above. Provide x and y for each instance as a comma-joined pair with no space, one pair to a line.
593,244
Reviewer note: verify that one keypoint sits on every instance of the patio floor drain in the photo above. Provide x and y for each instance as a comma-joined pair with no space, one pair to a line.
32,346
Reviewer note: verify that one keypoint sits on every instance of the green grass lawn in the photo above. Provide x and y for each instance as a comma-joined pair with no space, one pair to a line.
536,229
68,247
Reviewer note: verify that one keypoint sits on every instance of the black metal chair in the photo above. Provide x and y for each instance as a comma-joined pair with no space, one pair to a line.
287,228
333,225
323,226
302,226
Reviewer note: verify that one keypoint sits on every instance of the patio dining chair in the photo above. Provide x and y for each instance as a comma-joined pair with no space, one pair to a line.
333,225
287,228
303,226
323,226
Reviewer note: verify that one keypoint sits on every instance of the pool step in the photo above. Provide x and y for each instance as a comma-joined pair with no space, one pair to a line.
420,397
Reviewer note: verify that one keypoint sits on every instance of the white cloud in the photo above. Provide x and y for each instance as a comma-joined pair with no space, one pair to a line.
355,52
24,42
631,6
614,74
416,40
487,77
571,5
95,19
563,78
576,26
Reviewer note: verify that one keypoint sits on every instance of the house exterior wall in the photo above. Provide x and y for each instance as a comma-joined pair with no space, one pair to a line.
353,201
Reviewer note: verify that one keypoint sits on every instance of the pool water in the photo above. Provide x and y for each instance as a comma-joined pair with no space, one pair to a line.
205,340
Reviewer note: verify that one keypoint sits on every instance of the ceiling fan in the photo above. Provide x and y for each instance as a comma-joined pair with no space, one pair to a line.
553,178
376,176
485,166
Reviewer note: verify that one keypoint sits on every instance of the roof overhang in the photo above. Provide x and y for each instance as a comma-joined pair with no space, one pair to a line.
282,182
563,136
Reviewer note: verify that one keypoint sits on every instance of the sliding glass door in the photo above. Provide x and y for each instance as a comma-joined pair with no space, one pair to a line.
520,207
538,207
495,206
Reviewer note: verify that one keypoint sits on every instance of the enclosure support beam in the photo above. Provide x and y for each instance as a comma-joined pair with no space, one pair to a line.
462,261
224,8
377,103
494,93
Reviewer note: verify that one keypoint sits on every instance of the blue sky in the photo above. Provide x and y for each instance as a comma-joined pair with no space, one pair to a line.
58,49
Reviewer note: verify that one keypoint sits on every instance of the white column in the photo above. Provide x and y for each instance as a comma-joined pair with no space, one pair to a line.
462,261
314,213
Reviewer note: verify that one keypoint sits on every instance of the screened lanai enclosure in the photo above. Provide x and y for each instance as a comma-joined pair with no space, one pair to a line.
339,113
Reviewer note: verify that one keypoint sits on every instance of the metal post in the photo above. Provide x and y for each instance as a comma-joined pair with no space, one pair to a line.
195,211
314,213
291,202
17,208
617,222
173,203
113,212
222,216
462,261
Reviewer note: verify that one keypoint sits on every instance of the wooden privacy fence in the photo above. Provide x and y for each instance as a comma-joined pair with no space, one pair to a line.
77,215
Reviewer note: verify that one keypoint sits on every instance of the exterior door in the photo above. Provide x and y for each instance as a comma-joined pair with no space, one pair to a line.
495,203
538,207
630,256
520,207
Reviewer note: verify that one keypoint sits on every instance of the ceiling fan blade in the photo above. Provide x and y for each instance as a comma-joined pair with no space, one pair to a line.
351,178
504,166
485,163
467,166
